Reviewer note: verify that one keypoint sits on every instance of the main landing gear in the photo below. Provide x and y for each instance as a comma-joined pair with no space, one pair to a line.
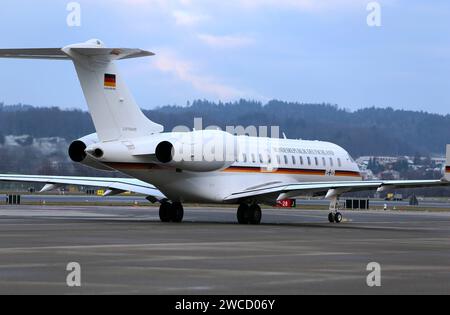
171,212
249,214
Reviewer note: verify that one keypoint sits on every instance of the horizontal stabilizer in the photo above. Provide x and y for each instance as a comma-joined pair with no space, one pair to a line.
109,54
113,53
34,53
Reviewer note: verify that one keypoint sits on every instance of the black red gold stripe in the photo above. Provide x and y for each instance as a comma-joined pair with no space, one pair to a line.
293,171
237,169
134,166
348,174
447,169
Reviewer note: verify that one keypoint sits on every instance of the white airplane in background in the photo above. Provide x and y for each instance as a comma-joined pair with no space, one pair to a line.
127,141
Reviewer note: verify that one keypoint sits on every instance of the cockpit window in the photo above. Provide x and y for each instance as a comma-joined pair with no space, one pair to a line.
351,159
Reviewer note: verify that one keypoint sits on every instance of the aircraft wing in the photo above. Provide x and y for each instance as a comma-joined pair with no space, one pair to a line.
287,191
113,185
275,192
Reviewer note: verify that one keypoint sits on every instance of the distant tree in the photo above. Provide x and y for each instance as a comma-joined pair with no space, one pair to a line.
26,141
375,166
401,166
417,159
370,131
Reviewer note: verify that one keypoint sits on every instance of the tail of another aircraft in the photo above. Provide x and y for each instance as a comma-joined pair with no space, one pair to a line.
113,109
447,164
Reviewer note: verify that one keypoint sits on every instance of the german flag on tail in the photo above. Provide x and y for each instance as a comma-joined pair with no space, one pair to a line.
110,81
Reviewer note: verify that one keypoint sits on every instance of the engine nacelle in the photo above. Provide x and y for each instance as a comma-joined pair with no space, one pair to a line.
198,151
77,152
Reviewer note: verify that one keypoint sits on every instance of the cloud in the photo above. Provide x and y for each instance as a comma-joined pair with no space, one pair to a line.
227,41
186,18
303,5
214,4
140,4
183,10
183,70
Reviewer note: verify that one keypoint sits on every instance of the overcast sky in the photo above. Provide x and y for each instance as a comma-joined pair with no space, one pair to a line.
293,50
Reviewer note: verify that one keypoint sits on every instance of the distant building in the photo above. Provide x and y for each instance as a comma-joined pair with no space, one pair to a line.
390,175
368,174
383,160
439,160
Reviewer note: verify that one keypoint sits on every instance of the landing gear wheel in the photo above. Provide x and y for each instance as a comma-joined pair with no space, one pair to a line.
177,212
165,210
338,217
254,215
331,217
249,214
242,214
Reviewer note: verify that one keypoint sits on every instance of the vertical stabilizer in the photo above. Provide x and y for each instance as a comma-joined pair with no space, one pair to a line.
113,109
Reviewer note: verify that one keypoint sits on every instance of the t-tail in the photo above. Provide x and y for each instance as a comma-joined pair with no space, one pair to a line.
113,109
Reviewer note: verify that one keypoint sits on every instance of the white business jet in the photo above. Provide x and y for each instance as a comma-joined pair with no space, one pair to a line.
173,167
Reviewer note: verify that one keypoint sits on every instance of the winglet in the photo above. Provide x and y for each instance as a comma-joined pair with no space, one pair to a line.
447,164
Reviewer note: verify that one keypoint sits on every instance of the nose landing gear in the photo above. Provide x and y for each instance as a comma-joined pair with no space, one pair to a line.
335,216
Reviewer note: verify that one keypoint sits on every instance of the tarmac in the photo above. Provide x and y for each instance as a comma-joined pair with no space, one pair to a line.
130,199
126,250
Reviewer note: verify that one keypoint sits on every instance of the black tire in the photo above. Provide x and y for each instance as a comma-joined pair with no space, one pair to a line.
338,217
165,210
177,212
331,217
255,215
242,214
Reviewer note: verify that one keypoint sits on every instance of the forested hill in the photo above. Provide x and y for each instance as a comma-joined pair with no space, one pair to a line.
363,132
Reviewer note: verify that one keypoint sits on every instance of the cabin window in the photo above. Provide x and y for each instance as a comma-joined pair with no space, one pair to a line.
269,159
261,160
253,158
331,162
339,162
278,159
301,160
324,161
286,160
293,160
317,161
309,160
244,158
